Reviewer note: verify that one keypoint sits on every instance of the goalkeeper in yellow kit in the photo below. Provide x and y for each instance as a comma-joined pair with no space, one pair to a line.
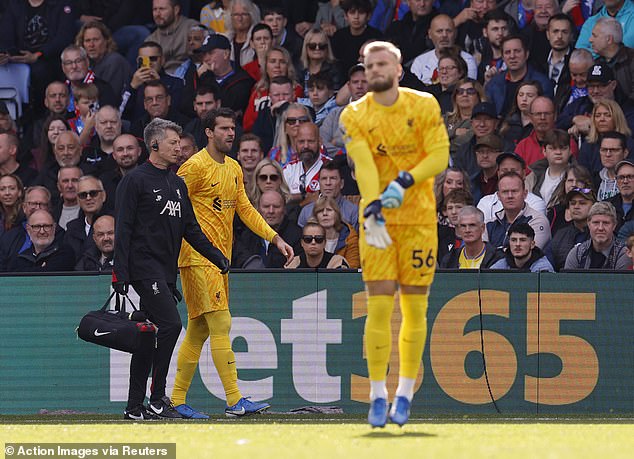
398,143
216,190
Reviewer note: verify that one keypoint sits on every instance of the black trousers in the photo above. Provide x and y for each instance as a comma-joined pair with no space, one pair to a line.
157,300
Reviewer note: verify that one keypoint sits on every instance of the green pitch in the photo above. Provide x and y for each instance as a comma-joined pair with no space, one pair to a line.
282,437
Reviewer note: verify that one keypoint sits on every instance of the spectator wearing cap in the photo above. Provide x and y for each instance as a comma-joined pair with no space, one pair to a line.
502,87
612,150
509,162
548,172
347,41
621,10
602,250
623,201
487,149
235,84
442,33
542,115
171,32
522,252
578,203
607,42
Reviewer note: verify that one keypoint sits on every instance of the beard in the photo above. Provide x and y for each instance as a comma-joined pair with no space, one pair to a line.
380,85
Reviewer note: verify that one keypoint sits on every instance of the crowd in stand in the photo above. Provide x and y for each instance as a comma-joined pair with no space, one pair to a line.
537,97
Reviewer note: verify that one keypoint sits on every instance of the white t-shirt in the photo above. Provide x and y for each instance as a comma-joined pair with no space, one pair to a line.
69,213
491,203
549,185
425,64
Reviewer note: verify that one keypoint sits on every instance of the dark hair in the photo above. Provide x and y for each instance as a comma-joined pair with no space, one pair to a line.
454,54
320,79
614,135
282,79
332,166
497,15
208,88
209,120
274,9
151,44
563,17
522,228
557,139
515,37
46,148
156,84
261,26
360,5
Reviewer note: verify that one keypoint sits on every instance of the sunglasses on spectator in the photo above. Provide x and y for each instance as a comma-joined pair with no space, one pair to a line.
468,91
300,120
266,177
89,193
38,228
317,46
317,239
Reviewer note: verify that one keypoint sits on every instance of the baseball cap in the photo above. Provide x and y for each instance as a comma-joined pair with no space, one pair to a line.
625,162
510,154
600,73
490,140
356,68
214,41
486,108
587,193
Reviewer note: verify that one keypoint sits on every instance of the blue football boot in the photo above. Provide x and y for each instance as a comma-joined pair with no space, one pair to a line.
377,417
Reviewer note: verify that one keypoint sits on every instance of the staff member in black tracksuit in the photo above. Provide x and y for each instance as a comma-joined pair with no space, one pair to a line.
153,215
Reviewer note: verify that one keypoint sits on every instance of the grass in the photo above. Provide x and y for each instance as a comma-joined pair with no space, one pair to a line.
343,436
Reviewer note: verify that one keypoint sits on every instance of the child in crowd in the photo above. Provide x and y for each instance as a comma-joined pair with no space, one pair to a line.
321,96
86,106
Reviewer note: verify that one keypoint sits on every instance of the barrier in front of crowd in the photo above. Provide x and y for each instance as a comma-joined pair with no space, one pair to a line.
554,343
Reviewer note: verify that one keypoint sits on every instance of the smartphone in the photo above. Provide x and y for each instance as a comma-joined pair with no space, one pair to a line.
143,61
94,107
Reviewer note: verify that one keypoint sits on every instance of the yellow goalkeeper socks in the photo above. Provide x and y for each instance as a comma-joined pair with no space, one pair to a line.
378,335
188,356
219,323
411,339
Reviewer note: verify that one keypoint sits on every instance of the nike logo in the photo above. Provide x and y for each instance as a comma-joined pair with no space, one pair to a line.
381,347
231,363
214,184
157,411
98,333
239,412
155,191
135,417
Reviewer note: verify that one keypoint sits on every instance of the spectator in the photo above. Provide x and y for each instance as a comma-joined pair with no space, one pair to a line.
157,104
547,173
150,68
302,175
207,99
579,62
214,15
578,204
44,253
126,152
86,105
330,17
91,201
612,150
522,253
97,157
501,87
602,250
252,251
474,253
11,198
471,22
536,34
542,115
171,32
284,148
188,148
9,144
96,38
261,42
518,125
491,204
623,201
515,210
341,238
487,149
560,38
276,17
317,57
606,116
67,153
250,153
442,33
576,176
622,10
75,66
467,93
276,63
244,15
410,33
451,69
451,178
268,177
190,70
448,231
630,248
56,99
496,25
67,209
331,184
314,253
321,96
100,257
330,131
347,41
269,119
235,83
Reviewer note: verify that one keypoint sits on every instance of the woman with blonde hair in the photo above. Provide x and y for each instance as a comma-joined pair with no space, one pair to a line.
341,238
283,151
467,94
606,116
268,176
317,57
452,178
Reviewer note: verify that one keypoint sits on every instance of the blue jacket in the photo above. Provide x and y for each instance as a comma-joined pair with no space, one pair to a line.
537,263
625,16
496,91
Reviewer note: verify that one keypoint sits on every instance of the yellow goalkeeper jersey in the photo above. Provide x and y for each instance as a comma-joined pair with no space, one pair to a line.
217,192
382,141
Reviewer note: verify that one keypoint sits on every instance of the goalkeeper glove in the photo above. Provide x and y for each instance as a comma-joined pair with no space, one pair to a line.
393,195
376,234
